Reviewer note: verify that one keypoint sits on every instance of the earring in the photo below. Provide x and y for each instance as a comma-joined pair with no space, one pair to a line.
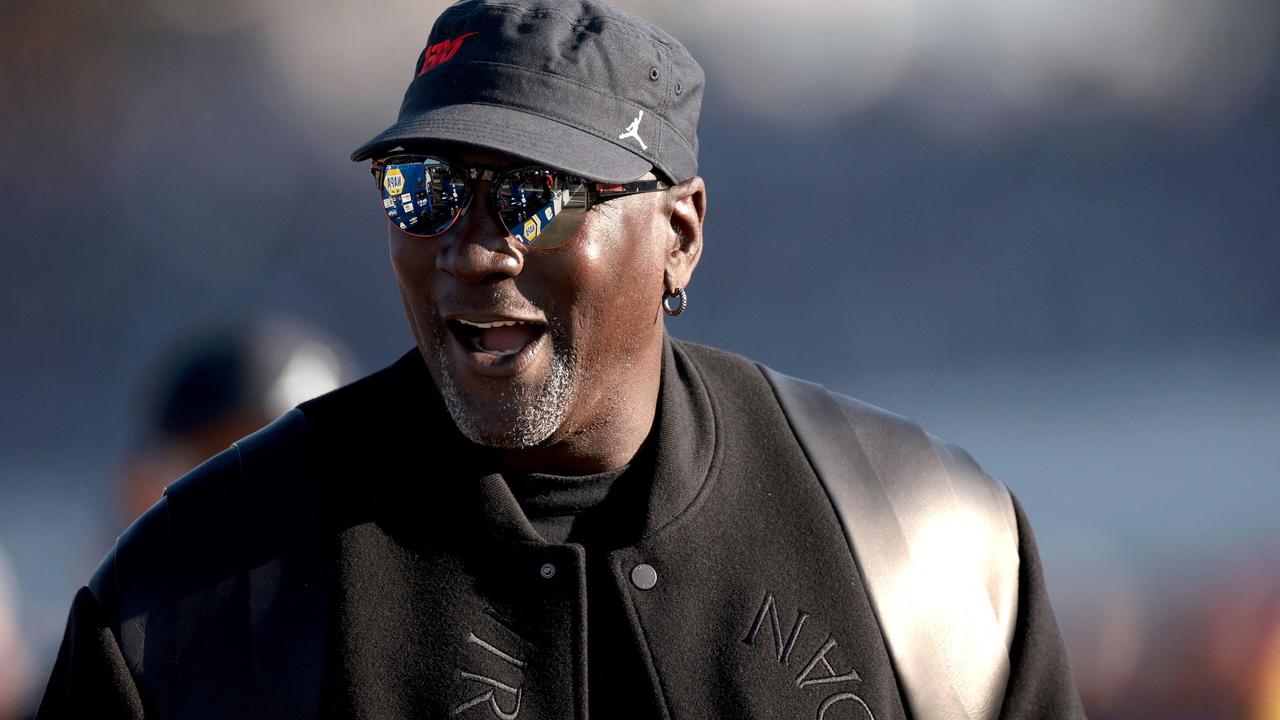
684,302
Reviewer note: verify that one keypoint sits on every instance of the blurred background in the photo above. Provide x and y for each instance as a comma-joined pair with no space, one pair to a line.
1048,230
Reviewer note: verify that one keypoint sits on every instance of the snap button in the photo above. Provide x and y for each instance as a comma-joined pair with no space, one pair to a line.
653,73
679,87
547,571
644,576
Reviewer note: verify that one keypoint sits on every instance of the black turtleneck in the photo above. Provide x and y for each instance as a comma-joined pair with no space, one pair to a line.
581,509
594,511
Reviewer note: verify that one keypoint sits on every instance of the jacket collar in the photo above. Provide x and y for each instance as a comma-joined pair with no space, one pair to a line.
460,484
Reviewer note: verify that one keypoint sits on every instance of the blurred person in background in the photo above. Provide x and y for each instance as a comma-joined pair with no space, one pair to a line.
218,388
426,542
205,393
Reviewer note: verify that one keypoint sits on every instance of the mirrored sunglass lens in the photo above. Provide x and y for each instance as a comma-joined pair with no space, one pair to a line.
423,195
542,208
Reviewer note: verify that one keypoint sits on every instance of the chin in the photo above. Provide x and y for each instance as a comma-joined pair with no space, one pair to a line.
500,438
510,413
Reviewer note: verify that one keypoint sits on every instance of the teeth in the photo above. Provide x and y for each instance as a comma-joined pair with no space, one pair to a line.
498,353
500,323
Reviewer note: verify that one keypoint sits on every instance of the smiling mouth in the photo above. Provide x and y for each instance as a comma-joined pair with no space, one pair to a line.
498,339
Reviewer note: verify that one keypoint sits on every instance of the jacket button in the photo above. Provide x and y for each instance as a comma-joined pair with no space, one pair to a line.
644,576
547,571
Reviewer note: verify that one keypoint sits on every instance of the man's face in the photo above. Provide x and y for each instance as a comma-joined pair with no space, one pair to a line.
583,314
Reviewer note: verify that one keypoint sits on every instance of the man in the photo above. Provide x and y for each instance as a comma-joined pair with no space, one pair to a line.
550,508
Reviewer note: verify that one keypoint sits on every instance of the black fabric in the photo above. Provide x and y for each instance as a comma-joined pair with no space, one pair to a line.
209,676
438,604
1040,684
592,511
574,508
90,679
724,545
142,619
629,505
580,86
762,541
284,574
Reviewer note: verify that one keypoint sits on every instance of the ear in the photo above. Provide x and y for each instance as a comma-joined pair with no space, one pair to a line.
686,206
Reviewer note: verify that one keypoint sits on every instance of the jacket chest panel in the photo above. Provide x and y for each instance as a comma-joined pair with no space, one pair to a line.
488,633
744,604
748,607
759,611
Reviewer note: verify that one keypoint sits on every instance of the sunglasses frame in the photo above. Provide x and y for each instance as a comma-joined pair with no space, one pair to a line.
597,192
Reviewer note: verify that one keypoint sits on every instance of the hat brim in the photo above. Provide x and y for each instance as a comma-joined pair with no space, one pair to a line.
514,132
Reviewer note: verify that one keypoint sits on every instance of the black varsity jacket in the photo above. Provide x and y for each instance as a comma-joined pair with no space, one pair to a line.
739,599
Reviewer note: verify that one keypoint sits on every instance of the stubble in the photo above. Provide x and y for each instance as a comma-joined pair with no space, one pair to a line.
521,416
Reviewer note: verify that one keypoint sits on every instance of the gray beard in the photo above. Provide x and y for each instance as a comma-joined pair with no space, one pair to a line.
532,415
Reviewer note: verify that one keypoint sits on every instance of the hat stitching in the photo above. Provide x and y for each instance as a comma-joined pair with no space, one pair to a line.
422,123
619,22
526,136
667,73
513,131
661,115
389,137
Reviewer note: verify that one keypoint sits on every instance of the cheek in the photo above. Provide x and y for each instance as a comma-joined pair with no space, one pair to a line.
594,252
637,264
621,270
411,260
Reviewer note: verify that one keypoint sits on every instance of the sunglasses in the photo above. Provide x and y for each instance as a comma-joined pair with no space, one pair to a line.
542,208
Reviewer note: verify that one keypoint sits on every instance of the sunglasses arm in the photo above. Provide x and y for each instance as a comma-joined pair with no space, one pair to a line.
599,192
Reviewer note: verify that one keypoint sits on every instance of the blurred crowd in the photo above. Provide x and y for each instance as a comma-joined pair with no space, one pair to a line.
1204,648
990,181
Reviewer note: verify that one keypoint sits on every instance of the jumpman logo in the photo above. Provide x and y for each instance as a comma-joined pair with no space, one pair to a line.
633,130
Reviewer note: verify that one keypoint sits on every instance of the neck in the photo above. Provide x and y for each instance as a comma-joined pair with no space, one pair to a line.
608,426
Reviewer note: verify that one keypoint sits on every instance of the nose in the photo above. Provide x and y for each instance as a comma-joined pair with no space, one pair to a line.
478,248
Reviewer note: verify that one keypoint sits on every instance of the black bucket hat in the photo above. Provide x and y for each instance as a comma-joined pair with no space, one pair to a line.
579,86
